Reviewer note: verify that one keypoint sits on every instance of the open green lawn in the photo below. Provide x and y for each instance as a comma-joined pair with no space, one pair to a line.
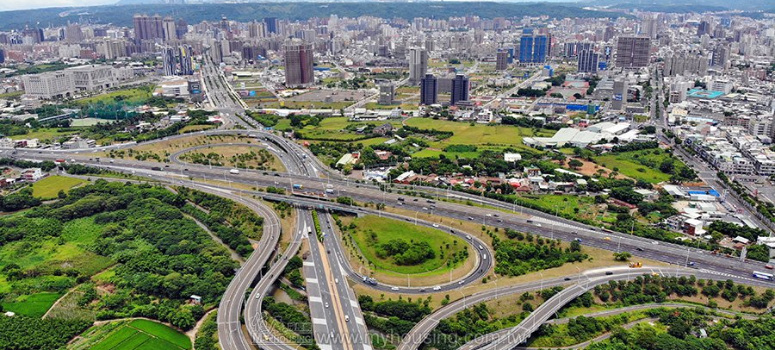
33,305
43,134
640,165
566,205
49,187
479,134
132,96
137,335
443,244
309,105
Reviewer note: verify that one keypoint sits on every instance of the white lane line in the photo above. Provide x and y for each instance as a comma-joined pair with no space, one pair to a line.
315,299
354,303
319,321
309,263
359,321
324,346
312,280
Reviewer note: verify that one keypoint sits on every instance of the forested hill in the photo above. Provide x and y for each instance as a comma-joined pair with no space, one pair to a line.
194,13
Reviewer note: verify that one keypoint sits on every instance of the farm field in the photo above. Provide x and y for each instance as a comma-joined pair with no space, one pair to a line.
43,134
34,305
132,335
49,187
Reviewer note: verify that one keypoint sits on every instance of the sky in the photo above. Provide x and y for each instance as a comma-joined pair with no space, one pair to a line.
7,5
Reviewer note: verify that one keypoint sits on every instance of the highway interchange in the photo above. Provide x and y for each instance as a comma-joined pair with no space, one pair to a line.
333,305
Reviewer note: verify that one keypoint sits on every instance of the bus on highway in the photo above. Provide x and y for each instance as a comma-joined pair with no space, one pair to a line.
763,275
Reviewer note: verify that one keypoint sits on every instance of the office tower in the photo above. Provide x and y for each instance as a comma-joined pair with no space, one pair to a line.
181,28
533,48
73,33
298,64
459,89
587,61
502,60
2,56
573,49
418,64
271,24
703,28
36,34
429,44
386,93
429,90
168,61
215,52
169,29
185,56
633,52
619,95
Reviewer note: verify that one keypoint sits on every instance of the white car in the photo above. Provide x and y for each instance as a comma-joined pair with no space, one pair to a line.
326,304
437,288
394,288
436,225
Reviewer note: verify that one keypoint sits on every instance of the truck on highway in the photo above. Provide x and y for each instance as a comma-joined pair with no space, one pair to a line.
297,186
330,190
636,265
234,171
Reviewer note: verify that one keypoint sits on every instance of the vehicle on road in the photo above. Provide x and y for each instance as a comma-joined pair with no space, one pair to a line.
346,318
326,304
636,265
394,288
336,280
156,168
468,237
436,225
607,238
480,247
400,199
298,186
234,171
639,249
768,266
763,275
470,218
608,273
437,288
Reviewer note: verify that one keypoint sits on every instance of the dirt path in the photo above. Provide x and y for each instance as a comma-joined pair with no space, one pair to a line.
193,332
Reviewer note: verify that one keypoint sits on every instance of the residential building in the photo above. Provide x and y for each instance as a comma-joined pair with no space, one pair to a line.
168,61
502,60
386,93
148,28
185,56
298,64
418,64
271,25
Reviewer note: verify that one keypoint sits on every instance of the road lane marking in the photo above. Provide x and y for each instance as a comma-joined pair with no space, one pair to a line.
309,263
311,280
319,321
315,299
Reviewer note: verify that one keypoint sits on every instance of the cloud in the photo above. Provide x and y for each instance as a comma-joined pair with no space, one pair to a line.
9,5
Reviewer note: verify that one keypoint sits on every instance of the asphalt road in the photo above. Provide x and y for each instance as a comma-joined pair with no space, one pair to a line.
589,279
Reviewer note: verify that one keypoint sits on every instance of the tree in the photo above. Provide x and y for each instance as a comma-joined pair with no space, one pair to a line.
575,164
622,256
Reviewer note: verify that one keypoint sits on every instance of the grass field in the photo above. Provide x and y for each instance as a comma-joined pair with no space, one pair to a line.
131,96
133,335
43,134
389,229
49,187
641,165
33,305
495,136
193,128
